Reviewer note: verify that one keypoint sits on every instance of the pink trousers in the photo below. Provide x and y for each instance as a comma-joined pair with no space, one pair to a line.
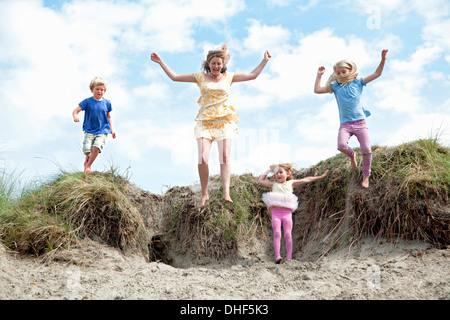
282,217
360,130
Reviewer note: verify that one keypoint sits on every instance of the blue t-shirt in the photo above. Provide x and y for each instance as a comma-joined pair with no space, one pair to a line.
96,115
348,100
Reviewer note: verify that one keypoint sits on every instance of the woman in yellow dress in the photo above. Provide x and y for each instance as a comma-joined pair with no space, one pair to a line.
217,119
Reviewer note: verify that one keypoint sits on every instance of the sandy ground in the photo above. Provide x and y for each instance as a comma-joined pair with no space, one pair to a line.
410,270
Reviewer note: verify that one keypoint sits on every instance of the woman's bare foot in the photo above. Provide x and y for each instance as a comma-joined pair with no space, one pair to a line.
227,199
365,182
353,163
202,201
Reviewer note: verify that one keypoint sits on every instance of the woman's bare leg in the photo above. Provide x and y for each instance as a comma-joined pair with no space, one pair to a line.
204,147
225,167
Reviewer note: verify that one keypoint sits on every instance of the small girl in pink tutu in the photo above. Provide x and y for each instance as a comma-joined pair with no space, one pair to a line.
282,202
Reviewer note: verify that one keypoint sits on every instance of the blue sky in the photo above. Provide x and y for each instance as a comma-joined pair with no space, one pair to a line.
52,49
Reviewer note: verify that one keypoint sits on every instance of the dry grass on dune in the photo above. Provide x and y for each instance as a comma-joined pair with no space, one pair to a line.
407,199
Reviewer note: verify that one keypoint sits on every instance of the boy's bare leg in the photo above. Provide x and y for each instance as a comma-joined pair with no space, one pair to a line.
95,152
87,158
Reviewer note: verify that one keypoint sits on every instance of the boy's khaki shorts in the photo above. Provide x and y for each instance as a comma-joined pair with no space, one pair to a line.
94,140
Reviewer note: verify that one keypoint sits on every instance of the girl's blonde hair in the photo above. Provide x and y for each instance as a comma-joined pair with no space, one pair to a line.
97,81
348,64
219,53
288,167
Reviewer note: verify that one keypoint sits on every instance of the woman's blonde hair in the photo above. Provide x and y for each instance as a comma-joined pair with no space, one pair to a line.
97,81
219,53
348,64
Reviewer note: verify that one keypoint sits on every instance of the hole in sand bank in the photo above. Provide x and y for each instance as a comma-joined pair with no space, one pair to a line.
157,250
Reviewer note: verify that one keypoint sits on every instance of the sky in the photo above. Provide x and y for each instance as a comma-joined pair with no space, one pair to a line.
50,51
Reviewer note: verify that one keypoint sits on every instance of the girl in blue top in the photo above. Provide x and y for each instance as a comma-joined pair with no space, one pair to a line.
347,89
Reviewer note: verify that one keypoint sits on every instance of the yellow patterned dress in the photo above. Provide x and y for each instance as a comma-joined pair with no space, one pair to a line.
216,119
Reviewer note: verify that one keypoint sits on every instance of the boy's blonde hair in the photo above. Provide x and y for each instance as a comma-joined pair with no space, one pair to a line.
219,53
348,64
97,81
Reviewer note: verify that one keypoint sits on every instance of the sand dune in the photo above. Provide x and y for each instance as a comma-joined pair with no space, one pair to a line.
409,270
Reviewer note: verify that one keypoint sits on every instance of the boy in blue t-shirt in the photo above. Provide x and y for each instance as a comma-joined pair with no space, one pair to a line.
97,122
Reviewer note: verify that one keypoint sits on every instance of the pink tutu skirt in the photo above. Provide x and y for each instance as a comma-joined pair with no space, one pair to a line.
277,199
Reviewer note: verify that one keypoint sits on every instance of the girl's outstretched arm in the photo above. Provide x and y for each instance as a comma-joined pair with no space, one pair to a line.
309,179
262,179
379,70
242,76
170,73
317,87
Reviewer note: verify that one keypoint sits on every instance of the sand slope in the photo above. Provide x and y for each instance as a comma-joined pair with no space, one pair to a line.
410,270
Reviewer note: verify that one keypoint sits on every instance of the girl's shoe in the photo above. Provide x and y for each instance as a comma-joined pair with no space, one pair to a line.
88,170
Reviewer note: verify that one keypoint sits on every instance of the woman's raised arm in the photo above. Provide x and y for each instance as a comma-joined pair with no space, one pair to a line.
246,76
172,74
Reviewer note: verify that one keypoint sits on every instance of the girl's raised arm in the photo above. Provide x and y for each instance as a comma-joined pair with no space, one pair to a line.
317,88
262,180
170,73
379,70
243,76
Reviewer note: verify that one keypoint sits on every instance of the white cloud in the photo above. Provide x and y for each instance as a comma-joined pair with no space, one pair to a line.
421,126
285,3
390,10
309,156
434,10
53,55
280,3
168,25
402,90
138,137
321,126
435,14
262,37
433,33
293,72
